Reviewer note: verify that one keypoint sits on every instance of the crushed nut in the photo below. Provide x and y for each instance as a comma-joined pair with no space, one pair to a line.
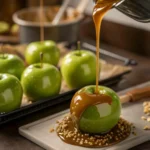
134,133
148,119
146,128
57,121
52,130
133,127
146,110
146,106
143,118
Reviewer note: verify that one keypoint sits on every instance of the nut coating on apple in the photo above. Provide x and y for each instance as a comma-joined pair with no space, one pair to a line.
11,64
95,113
48,48
78,68
41,82
10,93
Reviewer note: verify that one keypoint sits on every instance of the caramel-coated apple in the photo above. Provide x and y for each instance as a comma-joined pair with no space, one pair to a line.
95,113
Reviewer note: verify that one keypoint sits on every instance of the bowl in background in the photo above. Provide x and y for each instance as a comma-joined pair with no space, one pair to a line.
29,21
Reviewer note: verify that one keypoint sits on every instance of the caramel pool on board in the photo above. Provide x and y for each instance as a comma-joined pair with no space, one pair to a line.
71,135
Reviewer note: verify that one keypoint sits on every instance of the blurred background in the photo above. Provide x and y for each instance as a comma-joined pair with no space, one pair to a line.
8,7
117,29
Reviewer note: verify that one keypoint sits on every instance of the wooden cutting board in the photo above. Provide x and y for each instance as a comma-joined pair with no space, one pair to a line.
38,131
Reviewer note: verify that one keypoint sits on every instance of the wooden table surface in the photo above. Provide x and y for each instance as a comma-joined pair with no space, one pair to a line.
10,138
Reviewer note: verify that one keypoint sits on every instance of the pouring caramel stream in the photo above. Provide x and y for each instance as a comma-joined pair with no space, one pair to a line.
99,11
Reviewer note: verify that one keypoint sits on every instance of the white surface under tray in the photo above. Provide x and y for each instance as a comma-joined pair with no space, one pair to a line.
38,131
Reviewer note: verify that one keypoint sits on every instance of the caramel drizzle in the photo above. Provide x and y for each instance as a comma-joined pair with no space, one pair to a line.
98,13
81,101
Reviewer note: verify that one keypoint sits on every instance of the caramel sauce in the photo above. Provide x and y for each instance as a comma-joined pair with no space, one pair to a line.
41,21
81,101
71,135
99,11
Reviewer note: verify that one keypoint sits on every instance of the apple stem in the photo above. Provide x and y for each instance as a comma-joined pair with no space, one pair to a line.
79,47
41,59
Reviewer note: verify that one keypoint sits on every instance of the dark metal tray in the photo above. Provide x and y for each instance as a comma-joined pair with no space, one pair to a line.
36,106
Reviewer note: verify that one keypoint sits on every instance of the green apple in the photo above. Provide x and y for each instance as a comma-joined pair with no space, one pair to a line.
40,82
11,64
48,48
14,29
100,117
4,27
10,93
79,68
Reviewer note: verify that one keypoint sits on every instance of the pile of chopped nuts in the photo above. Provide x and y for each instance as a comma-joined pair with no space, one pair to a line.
67,131
146,106
146,110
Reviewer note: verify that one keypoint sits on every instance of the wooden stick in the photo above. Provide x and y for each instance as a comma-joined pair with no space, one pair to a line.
82,6
61,11
41,21
125,98
135,95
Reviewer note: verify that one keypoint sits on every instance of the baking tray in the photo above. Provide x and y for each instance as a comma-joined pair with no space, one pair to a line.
64,97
